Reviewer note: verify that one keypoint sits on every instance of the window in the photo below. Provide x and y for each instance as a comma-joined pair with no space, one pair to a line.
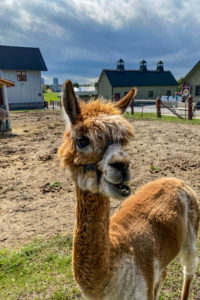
168,93
150,94
197,92
117,96
21,76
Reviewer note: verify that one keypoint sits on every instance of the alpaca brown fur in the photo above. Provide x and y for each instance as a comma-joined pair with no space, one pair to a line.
92,243
157,198
123,257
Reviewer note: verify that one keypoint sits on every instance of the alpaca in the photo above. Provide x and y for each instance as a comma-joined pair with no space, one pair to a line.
123,257
3,118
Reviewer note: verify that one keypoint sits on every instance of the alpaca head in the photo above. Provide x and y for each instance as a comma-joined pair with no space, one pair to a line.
93,143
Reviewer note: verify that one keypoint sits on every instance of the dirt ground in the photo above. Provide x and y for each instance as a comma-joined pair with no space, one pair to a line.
37,197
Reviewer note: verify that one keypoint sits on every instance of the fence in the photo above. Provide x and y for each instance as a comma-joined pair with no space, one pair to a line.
54,105
181,110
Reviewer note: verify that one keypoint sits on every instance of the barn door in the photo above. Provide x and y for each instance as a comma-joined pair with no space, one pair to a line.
1,97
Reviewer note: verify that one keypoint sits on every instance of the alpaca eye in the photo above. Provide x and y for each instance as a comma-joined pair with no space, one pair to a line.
82,142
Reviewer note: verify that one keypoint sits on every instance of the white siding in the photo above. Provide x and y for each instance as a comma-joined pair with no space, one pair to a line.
24,91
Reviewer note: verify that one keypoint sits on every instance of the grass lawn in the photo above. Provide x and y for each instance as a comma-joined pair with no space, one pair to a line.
153,117
51,96
42,270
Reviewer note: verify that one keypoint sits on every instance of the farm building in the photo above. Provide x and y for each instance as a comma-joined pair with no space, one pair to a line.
192,82
23,66
150,83
85,92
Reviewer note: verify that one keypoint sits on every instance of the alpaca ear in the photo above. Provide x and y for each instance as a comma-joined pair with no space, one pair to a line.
124,102
70,101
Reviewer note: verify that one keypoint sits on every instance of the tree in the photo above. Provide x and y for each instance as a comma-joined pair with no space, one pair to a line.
180,82
76,84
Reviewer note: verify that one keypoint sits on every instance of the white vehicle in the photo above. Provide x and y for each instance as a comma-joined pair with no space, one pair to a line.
168,99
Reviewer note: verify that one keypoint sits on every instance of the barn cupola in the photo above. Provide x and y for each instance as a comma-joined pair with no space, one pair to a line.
120,65
143,66
160,66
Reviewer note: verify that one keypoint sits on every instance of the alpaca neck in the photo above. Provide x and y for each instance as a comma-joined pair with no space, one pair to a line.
91,251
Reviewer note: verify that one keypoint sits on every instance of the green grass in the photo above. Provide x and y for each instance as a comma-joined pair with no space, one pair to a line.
153,117
51,96
42,270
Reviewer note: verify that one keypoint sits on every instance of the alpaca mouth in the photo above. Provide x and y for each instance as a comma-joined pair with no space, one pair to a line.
121,189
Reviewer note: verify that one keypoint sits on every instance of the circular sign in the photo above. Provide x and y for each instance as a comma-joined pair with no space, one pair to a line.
186,92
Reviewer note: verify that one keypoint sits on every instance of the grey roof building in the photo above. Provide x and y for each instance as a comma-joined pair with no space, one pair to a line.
150,83
23,66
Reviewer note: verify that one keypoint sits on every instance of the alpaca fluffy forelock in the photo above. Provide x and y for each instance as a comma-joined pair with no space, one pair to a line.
101,123
109,128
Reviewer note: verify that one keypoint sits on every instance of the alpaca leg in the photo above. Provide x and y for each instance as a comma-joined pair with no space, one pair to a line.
189,261
157,287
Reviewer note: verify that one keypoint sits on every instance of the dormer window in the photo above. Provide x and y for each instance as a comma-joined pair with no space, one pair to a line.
21,76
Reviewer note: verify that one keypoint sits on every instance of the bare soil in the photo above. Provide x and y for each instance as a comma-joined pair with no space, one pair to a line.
37,196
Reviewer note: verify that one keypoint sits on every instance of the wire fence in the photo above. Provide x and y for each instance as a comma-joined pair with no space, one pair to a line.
168,108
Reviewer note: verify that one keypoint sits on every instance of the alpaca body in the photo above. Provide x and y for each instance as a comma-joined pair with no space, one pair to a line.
99,257
145,235
123,257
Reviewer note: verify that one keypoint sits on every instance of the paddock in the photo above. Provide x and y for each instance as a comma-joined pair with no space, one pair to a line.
38,197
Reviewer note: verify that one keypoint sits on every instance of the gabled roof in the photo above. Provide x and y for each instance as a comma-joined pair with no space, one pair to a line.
138,78
191,71
21,58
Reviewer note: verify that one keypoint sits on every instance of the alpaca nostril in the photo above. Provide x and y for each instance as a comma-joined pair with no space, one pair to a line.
119,166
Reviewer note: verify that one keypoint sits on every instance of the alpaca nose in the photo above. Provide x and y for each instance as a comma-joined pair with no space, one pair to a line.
122,169
119,163
118,159
120,166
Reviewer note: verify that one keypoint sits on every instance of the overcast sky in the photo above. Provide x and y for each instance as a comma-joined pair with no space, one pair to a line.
79,38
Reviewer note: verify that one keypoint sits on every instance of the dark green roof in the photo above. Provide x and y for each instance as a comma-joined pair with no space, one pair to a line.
138,78
21,58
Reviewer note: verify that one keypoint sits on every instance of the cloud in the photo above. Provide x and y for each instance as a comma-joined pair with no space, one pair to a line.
78,38
120,13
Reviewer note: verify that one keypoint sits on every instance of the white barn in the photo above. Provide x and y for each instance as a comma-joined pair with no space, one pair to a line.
23,66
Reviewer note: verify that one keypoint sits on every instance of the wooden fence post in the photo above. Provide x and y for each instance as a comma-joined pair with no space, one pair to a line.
190,108
158,107
132,106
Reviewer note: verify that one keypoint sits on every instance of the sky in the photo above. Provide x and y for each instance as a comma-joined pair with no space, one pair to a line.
79,38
